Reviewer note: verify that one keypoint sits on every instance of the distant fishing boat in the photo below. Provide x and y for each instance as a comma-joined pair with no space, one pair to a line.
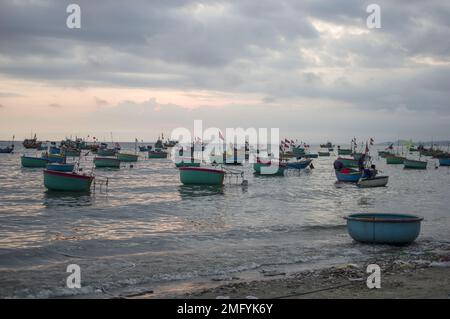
170,143
377,181
394,229
394,159
323,154
111,162
157,153
201,176
64,181
415,164
279,171
29,161
327,145
348,175
61,167
300,164
127,157
31,142
7,149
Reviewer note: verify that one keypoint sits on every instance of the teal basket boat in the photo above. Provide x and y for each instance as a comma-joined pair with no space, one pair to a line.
394,229
111,162
29,161
414,164
63,181
277,169
201,176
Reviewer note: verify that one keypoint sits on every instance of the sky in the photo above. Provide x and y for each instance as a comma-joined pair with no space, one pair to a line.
313,68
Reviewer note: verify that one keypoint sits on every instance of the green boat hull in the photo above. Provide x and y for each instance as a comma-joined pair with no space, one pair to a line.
201,176
33,161
127,157
258,166
59,181
412,164
323,154
395,160
107,162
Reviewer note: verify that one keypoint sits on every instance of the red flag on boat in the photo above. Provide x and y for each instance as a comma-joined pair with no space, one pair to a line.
221,136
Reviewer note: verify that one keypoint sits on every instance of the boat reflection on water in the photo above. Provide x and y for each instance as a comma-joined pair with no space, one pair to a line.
67,199
191,191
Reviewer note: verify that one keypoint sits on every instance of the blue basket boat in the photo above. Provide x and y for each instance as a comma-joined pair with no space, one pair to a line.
394,229
301,164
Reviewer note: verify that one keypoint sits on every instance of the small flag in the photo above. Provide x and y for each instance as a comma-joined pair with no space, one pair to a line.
221,136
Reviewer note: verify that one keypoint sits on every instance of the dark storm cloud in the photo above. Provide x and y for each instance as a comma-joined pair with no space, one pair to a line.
243,46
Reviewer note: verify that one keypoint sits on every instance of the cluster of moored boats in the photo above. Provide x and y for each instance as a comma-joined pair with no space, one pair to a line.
351,165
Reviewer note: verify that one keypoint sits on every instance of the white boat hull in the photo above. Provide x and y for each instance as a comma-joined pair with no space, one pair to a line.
379,181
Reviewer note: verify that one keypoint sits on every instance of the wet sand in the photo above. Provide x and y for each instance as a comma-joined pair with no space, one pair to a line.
409,276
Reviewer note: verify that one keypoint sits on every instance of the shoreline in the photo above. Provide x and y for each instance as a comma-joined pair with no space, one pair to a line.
407,275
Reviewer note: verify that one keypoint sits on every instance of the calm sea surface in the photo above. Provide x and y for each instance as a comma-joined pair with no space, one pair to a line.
150,231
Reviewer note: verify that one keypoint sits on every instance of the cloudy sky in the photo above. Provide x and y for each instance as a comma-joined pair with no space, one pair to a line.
311,68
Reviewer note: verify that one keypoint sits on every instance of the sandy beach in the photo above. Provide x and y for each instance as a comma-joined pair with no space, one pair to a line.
422,275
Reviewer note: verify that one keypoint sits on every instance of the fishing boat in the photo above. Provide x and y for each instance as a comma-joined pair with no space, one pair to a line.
444,161
112,162
377,181
300,164
347,162
327,145
29,161
69,167
64,181
31,142
157,153
324,154
394,229
54,158
7,150
298,151
348,175
201,176
127,157
414,164
274,169
394,159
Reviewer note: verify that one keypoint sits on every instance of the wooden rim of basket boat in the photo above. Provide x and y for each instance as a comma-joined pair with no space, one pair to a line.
202,169
407,219
67,174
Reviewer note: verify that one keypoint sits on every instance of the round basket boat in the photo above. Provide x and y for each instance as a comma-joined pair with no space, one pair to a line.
394,229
